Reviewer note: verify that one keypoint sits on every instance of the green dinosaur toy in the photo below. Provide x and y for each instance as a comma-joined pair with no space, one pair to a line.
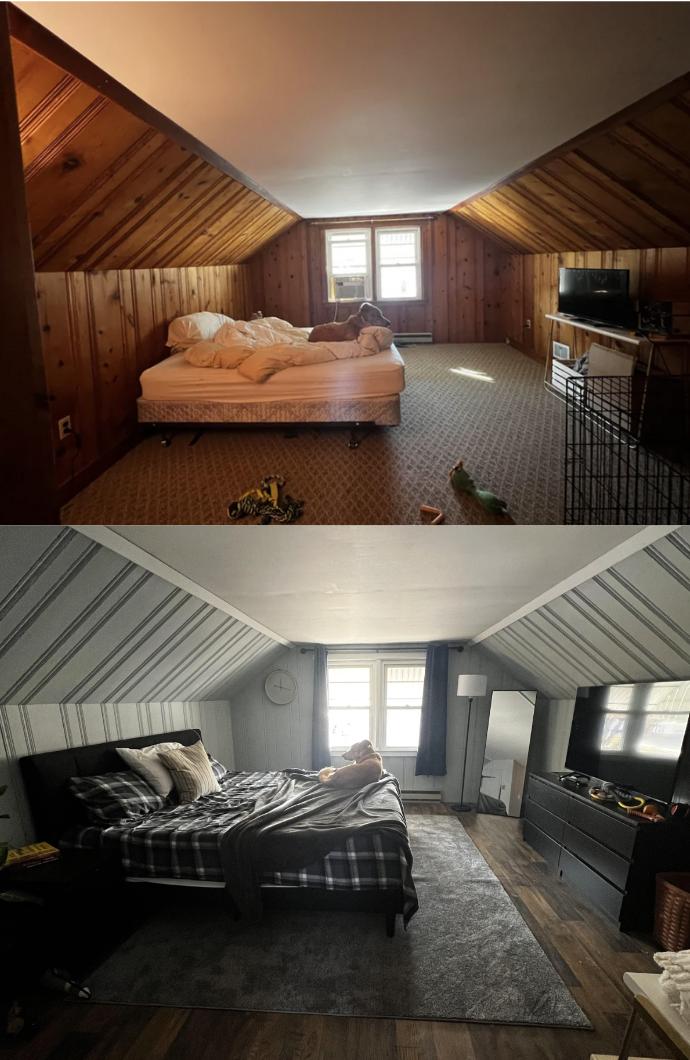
462,482
269,502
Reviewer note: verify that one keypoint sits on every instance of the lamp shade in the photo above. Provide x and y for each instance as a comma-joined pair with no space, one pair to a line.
471,685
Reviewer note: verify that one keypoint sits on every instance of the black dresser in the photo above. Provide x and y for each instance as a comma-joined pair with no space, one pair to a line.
611,857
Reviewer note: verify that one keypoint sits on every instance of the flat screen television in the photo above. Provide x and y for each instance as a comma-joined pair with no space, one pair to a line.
599,295
634,735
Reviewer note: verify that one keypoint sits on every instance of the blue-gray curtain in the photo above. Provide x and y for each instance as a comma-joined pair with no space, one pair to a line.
320,744
431,755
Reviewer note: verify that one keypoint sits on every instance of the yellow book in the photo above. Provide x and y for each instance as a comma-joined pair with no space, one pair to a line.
33,852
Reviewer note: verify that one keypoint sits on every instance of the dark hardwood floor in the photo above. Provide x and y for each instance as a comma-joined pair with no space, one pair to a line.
588,952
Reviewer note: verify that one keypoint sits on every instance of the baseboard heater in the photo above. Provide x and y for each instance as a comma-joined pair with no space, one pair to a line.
413,338
421,796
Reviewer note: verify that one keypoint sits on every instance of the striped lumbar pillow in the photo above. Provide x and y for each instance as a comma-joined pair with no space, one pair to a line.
191,771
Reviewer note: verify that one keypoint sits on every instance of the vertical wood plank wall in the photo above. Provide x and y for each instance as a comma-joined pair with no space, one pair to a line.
461,278
100,330
530,290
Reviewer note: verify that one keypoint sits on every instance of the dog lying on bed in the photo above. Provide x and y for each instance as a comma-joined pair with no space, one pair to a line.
367,316
366,768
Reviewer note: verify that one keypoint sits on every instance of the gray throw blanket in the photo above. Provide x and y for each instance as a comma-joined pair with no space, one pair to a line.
298,822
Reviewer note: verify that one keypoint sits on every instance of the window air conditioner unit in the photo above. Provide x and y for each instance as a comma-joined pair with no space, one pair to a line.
350,288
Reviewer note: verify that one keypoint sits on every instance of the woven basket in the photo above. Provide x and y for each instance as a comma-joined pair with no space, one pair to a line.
672,911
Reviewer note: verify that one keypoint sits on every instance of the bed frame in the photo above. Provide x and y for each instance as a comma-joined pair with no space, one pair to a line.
55,810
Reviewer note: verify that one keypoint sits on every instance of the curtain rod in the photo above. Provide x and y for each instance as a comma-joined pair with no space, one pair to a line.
373,648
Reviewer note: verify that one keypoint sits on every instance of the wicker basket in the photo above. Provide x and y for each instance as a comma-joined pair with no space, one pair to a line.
672,911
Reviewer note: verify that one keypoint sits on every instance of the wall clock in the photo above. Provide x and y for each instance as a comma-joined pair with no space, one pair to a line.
280,687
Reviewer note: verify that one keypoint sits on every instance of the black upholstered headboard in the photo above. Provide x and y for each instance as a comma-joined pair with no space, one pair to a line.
53,809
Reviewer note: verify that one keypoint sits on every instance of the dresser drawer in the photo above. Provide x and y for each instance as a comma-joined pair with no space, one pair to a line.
612,833
544,819
547,796
542,843
611,866
602,894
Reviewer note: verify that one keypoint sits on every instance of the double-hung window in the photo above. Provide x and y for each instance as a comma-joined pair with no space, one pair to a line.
348,265
375,697
355,257
398,264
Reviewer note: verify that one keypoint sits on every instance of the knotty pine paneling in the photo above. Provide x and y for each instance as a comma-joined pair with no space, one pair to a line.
106,190
100,330
461,281
627,187
530,290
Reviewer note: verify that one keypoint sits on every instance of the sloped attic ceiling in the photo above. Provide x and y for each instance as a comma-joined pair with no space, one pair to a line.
626,187
629,623
82,624
106,190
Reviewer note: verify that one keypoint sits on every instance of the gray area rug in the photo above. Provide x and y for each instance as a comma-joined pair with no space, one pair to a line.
467,954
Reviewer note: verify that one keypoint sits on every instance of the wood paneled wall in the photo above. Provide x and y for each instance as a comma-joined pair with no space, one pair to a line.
107,190
100,331
627,185
461,278
530,290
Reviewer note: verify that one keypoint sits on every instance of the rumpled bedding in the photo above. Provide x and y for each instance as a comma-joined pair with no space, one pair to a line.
260,348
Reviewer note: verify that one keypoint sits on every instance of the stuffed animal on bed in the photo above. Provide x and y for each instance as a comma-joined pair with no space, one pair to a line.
462,482
366,768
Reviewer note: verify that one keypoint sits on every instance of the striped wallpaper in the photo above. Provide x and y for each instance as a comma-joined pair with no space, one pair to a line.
34,728
629,623
81,624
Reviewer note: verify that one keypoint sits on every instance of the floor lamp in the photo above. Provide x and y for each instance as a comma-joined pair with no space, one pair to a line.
470,685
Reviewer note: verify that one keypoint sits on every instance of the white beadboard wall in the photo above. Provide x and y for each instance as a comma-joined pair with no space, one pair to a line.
34,728
267,737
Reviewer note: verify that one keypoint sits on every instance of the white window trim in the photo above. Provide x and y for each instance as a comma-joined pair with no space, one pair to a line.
418,248
377,661
369,283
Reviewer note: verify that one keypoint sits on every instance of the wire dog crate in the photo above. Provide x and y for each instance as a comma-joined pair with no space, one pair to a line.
626,450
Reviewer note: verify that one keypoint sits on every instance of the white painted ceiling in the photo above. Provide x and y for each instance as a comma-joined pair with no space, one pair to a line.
371,108
369,584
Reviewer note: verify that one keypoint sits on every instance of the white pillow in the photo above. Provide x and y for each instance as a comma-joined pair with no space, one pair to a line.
195,327
147,764
384,336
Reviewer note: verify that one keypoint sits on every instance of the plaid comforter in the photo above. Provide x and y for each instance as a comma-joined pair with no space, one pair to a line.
182,842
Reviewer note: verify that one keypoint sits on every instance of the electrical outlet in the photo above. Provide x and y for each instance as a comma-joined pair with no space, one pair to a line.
528,323
64,427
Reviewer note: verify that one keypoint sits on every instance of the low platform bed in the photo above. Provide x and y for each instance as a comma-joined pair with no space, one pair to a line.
181,845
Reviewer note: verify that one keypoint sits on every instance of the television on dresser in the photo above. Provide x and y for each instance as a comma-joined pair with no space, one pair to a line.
601,296
636,736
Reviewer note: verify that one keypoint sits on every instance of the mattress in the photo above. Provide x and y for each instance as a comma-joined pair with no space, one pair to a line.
182,843
174,379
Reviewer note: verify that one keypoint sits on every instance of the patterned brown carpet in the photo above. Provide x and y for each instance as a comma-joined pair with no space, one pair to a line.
508,432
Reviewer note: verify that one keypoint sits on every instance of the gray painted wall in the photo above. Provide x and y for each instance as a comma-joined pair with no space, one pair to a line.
270,737
32,729
81,624
630,623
